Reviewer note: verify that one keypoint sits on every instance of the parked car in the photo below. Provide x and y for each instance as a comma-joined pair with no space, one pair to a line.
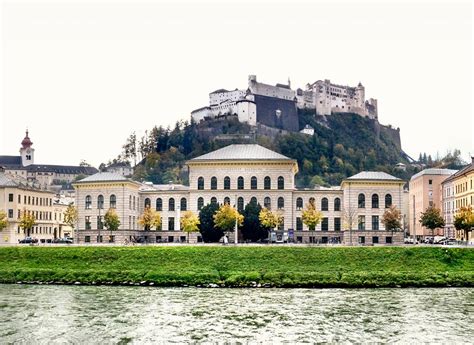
428,240
28,240
66,240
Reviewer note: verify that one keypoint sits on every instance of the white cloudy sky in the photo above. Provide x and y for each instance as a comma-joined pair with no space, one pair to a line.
82,75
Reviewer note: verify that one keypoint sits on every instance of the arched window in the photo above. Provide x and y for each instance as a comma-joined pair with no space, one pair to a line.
88,202
213,182
240,183
183,204
200,203
159,204
337,204
324,204
281,182
312,201
253,182
375,201
388,200
201,183
213,200
100,201
267,182
129,202
299,203
361,200
267,203
171,204
281,203
227,182
113,201
240,204
254,200
227,200
147,202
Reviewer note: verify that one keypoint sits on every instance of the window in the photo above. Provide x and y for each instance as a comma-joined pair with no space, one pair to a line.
111,238
325,224
240,182
129,202
388,240
100,224
200,203
183,204
254,200
10,213
281,203
19,198
375,239
253,182
375,222
213,182
147,202
113,201
281,226
171,223
201,183
100,202
159,204
299,203
88,223
299,224
226,200
388,200
430,182
267,183
361,222
267,203
281,182
227,182
10,197
361,239
134,203
337,204
88,202
171,204
324,204
361,200
312,201
375,201
87,239
240,204
337,224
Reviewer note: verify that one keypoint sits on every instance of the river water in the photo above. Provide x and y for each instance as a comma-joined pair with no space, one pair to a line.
105,314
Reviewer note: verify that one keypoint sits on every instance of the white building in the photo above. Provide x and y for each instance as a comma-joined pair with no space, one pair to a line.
239,174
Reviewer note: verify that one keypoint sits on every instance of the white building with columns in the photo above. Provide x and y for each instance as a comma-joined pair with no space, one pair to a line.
238,174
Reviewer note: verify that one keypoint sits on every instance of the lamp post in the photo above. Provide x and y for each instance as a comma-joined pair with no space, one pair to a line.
236,229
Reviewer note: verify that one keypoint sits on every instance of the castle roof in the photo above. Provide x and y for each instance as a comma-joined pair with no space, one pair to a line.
242,152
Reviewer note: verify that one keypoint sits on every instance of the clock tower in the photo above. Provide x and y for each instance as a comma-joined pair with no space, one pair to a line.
26,151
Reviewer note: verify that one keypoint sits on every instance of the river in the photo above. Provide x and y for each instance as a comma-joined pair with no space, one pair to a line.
109,314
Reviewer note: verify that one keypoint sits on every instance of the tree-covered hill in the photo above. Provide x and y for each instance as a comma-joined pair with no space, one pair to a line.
343,145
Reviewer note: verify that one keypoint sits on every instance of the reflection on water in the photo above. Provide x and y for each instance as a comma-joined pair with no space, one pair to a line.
95,314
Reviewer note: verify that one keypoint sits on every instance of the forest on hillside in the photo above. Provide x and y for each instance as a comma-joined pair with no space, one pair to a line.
343,145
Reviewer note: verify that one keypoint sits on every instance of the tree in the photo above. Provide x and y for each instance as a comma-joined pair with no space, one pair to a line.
111,220
27,220
189,223
150,219
252,228
464,220
269,219
432,219
209,232
83,163
391,218
226,217
71,216
3,220
311,217
349,216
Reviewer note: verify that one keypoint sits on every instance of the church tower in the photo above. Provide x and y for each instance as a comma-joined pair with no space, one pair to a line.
27,152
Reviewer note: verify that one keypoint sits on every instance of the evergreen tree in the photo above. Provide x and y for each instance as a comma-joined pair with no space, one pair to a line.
252,229
207,227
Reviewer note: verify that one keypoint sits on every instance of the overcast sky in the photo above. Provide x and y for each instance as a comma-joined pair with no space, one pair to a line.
82,75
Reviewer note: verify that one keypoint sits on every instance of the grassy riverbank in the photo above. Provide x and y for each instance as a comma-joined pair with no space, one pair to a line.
240,266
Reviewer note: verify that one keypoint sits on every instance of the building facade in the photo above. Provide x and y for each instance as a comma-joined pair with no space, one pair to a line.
238,174
425,191
18,196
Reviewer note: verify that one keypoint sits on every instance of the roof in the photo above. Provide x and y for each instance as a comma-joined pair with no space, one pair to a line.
14,162
119,164
6,181
374,175
242,152
434,171
10,160
164,187
467,169
104,177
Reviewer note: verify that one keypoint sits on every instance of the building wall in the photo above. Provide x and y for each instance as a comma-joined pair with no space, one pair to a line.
448,208
464,197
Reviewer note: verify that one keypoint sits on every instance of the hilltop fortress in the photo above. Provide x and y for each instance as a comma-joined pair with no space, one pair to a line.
276,106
